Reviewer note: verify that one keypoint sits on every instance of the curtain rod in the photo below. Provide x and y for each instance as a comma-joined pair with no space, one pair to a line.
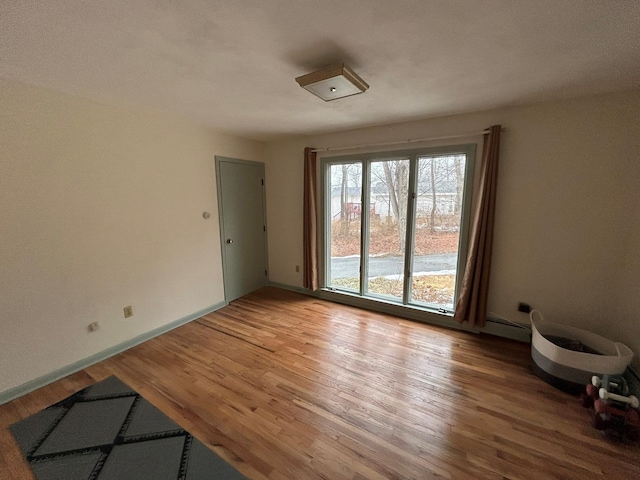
414,140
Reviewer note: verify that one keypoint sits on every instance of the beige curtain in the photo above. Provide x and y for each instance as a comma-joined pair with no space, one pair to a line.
310,222
472,300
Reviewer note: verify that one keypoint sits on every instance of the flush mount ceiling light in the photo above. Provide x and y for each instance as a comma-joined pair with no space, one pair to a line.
331,83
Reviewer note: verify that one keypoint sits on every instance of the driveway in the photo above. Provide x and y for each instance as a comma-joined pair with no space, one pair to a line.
342,267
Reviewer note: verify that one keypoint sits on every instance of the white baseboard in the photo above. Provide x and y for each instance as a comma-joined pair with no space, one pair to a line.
39,382
292,288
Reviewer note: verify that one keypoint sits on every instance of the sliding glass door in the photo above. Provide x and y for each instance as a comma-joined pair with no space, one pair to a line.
396,224
437,226
344,225
386,240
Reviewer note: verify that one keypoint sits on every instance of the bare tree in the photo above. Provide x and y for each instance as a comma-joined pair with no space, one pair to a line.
396,174
349,178
459,184
434,204
344,195
437,182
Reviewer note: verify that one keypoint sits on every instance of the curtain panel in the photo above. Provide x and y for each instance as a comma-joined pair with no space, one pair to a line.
472,299
310,271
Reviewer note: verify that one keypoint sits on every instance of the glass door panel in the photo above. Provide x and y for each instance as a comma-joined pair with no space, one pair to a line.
345,226
388,195
440,187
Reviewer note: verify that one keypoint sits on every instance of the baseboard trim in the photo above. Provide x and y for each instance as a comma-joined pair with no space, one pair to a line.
44,380
493,326
292,288
503,329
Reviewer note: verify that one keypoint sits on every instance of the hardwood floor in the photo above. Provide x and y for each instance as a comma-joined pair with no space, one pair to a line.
285,386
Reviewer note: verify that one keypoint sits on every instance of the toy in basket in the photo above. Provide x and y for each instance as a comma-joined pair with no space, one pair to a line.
612,409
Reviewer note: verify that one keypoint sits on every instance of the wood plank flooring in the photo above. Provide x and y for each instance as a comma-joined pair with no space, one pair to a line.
285,386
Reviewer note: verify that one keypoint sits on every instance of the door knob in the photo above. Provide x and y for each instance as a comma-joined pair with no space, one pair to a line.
229,241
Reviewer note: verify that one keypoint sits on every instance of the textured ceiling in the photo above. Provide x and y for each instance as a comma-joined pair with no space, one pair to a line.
231,64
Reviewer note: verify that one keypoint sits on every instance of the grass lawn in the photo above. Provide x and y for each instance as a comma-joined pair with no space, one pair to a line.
432,289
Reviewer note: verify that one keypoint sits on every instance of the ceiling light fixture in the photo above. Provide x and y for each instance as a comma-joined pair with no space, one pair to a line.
331,83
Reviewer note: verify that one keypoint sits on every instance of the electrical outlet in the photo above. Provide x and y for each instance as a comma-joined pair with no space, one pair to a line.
93,326
128,311
297,268
524,307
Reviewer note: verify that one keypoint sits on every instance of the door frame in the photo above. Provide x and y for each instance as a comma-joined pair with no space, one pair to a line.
365,159
219,159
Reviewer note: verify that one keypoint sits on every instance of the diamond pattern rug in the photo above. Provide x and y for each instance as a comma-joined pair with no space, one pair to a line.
109,432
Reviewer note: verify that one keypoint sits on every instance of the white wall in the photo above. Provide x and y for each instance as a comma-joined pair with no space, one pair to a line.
628,308
567,199
100,208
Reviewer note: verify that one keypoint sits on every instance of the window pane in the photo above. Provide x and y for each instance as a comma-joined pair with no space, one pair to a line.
389,189
344,225
437,230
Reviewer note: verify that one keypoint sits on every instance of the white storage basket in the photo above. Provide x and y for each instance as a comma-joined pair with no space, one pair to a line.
572,370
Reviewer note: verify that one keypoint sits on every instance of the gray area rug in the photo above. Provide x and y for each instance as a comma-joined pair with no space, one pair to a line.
109,432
